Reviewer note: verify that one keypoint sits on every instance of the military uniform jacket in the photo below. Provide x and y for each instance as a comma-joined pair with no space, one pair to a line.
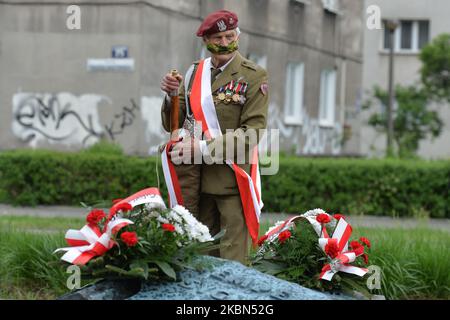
219,178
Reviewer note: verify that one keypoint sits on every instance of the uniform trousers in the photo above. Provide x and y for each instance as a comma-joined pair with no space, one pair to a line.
220,212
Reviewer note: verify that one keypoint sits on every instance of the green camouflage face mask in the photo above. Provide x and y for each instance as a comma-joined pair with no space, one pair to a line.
218,49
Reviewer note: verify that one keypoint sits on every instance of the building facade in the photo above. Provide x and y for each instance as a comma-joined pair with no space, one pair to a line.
66,86
419,22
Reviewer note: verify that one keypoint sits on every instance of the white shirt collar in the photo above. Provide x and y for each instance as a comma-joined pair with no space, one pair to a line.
225,65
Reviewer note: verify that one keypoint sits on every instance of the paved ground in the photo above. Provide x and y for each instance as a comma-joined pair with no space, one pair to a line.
363,221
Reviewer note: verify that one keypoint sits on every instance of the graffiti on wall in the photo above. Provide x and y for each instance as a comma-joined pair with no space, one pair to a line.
64,118
57,118
67,119
121,120
309,138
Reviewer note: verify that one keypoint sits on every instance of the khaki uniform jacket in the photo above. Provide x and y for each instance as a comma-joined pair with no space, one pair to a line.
219,178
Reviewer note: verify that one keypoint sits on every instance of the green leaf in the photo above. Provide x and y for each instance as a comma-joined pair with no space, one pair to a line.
220,234
140,265
167,269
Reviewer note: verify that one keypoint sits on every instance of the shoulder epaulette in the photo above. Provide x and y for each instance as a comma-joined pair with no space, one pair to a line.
249,64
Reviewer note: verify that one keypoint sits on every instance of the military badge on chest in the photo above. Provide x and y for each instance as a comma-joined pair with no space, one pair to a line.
232,93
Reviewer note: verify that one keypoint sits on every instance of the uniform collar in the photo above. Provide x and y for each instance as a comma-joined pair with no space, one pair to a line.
226,64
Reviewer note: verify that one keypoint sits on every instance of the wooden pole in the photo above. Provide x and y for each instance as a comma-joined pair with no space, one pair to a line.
174,109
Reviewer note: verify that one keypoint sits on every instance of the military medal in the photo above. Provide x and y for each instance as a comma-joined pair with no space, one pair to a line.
242,91
228,92
236,94
220,96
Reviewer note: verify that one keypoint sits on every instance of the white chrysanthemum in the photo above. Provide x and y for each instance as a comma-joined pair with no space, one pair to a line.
162,219
175,216
276,225
154,205
313,212
154,214
178,229
195,230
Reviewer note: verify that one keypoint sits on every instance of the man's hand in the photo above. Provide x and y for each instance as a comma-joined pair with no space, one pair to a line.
170,84
185,151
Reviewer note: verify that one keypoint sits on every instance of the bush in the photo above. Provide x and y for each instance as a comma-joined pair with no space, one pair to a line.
359,186
48,177
105,147
349,186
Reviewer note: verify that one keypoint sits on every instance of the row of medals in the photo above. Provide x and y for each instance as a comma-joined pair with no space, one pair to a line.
229,95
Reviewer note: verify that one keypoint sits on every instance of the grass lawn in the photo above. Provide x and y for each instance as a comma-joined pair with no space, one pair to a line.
415,263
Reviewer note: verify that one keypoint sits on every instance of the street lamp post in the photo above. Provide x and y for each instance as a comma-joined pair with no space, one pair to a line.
391,25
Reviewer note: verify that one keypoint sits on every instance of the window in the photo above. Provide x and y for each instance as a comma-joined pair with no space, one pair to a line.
327,99
331,5
410,36
293,106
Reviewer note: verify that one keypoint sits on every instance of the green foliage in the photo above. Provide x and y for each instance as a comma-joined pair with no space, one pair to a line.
414,262
27,262
412,121
47,177
349,186
435,70
354,186
105,147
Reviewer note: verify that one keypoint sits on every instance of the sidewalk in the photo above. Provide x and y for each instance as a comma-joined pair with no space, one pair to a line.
271,218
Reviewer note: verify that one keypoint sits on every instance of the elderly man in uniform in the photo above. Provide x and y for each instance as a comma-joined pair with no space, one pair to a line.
240,95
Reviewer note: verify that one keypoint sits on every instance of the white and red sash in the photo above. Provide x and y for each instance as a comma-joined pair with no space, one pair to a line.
204,111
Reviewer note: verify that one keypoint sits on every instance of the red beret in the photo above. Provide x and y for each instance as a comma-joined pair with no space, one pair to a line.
218,21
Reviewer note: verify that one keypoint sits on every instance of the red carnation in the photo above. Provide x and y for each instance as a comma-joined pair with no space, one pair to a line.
323,218
129,238
95,216
366,258
262,239
355,245
332,249
365,241
338,216
283,236
168,227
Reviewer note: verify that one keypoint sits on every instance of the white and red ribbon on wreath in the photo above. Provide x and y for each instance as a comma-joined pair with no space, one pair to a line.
341,263
90,241
204,111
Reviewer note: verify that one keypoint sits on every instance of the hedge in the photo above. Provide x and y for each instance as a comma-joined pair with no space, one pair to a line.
349,186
